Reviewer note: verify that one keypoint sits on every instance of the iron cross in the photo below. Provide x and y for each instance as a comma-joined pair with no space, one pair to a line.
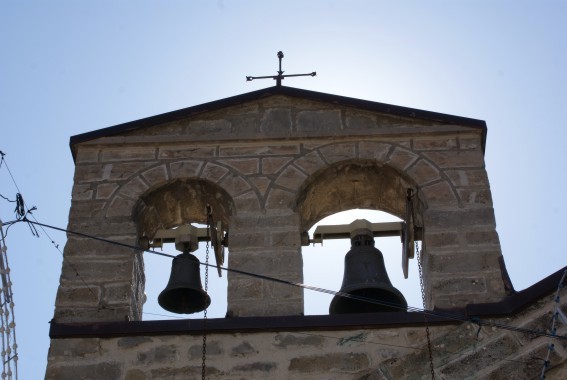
280,75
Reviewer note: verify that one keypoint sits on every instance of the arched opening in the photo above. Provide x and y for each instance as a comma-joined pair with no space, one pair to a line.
174,204
323,264
371,191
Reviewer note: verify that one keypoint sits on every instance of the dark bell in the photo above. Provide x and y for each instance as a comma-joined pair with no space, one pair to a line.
184,293
365,276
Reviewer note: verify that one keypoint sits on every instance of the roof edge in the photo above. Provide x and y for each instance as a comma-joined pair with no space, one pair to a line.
278,90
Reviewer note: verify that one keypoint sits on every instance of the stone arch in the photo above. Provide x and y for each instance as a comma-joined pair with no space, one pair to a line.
352,184
178,202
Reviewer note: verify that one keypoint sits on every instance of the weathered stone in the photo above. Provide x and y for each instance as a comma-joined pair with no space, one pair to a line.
155,175
271,165
401,159
134,188
243,349
105,190
78,296
456,159
471,217
482,238
291,178
360,122
263,367
234,184
120,207
133,341
477,360
439,193
475,196
209,127
185,168
117,293
107,371
289,341
423,172
333,362
279,199
261,184
77,347
214,348
82,192
318,121
338,152
85,155
244,165
128,154
93,271
373,150
438,143
191,372
441,240
160,354
468,177
174,152
276,121
469,142
247,202
310,162
261,150
457,285
214,172
136,374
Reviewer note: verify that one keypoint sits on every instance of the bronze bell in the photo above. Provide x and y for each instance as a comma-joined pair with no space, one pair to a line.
184,293
365,276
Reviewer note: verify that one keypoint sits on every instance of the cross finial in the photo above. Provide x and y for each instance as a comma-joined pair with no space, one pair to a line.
278,78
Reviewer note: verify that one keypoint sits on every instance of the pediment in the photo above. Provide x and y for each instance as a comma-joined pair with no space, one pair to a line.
282,112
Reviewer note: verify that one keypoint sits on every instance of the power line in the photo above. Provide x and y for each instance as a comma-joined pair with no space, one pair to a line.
456,317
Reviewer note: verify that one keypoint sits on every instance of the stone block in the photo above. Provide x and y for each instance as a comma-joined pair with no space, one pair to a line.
360,122
463,262
243,349
261,184
459,218
475,196
248,240
176,151
285,239
278,199
188,372
136,374
401,159
105,190
470,142
120,207
477,360
244,165
276,121
117,294
245,289
424,172
291,178
293,341
214,348
92,271
185,168
263,367
457,285
468,177
78,295
436,143
88,209
234,184
482,238
209,127
457,159
128,154
213,172
259,150
272,165
310,162
82,192
74,348
329,363
318,122
161,354
338,152
373,150
247,202
134,188
440,193
436,240
106,370
132,341
85,155
156,175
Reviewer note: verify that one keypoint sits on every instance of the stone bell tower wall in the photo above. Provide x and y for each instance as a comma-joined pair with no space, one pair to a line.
275,166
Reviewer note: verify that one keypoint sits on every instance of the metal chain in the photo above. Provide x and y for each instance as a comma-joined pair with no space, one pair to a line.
204,366
418,253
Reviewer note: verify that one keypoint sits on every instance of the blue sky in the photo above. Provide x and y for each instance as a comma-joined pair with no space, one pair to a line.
68,67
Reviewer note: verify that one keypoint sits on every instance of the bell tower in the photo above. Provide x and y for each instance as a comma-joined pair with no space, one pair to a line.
271,164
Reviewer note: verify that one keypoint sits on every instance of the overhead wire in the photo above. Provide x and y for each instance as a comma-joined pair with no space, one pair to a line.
435,313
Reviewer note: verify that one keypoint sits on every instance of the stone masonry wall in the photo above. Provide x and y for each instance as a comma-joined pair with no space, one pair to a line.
262,155
459,351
